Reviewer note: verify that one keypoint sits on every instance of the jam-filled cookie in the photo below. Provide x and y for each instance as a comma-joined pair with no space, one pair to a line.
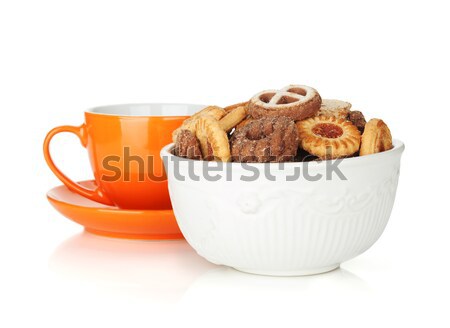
328,137
376,138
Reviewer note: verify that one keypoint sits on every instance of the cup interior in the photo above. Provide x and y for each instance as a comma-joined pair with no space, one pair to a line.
150,109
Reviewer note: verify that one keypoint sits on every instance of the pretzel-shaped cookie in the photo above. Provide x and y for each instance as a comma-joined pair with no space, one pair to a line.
268,139
296,102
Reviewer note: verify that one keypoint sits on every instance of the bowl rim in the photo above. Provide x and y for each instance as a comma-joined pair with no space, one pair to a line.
397,150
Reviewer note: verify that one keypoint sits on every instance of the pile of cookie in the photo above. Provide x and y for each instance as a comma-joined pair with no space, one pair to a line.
293,123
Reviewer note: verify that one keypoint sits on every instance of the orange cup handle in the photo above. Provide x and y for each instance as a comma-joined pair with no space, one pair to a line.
94,194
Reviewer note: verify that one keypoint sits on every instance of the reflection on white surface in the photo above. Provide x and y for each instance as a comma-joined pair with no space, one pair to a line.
341,278
160,270
224,279
171,271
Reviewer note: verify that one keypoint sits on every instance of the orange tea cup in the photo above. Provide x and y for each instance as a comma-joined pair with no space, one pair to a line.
124,142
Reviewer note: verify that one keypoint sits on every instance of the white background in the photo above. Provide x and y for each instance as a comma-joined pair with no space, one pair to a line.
389,58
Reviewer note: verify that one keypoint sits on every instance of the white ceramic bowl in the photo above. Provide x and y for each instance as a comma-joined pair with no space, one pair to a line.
277,227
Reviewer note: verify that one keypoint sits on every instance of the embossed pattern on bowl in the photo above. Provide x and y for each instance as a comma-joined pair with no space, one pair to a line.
284,227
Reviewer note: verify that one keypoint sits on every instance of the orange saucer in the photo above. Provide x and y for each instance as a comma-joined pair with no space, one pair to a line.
112,221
